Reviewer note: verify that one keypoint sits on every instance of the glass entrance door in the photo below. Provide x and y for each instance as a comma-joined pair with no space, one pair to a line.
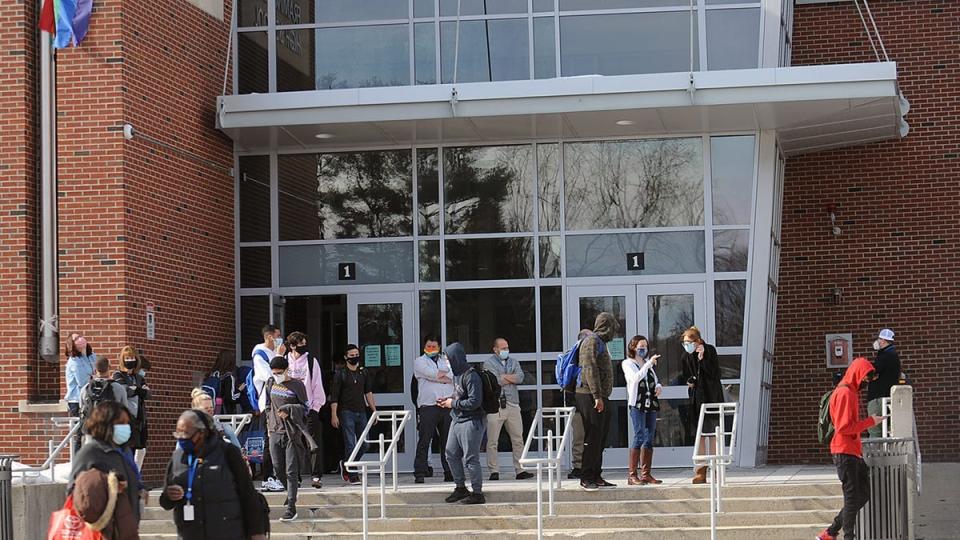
661,313
381,324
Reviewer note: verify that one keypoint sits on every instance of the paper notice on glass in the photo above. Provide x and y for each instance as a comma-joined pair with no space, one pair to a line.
393,356
371,356
616,349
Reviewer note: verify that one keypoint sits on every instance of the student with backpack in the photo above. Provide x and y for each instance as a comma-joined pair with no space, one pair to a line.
306,368
101,388
351,392
570,400
846,447
221,384
466,407
285,425
593,398
256,384
137,393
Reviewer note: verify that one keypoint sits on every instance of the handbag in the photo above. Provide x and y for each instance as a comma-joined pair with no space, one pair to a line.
66,524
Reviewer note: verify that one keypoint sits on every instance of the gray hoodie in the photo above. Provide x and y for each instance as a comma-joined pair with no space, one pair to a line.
468,388
596,375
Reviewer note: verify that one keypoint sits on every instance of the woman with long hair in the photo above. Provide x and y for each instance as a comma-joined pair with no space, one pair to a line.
128,375
202,401
643,404
701,371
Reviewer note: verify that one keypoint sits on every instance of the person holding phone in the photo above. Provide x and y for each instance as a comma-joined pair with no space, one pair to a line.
643,403
701,371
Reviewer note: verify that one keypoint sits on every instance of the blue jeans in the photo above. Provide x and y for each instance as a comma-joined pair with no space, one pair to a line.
644,427
352,424
463,448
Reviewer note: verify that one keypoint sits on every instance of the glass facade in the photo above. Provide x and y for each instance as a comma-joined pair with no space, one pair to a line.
326,44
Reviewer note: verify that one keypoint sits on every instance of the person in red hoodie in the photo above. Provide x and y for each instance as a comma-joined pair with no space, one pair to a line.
846,448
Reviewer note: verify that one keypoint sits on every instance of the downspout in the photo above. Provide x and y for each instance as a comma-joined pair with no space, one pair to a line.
49,318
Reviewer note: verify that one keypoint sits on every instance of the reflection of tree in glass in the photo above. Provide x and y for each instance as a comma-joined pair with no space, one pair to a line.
634,184
730,300
330,81
428,195
365,194
730,251
487,189
669,316
548,176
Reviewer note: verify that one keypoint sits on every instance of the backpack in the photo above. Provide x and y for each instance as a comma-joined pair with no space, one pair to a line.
491,391
567,370
100,390
825,422
252,395
211,387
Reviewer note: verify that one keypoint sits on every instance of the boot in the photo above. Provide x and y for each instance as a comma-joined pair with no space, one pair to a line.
646,459
632,459
701,475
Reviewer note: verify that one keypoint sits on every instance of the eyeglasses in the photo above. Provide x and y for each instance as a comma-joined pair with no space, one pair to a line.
180,435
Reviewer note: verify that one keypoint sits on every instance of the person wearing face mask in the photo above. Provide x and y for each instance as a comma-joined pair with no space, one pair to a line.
101,388
286,408
593,398
208,486
306,368
351,392
137,394
701,371
202,401
434,382
79,370
887,364
510,374
108,426
643,403
261,356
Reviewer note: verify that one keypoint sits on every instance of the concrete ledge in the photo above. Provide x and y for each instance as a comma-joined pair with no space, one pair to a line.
27,407
32,506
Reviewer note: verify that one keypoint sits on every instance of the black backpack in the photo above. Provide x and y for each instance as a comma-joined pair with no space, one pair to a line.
491,390
100,390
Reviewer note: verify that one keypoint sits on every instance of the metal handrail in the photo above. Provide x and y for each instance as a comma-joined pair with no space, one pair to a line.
556,449
53,451
387,454
236,421
717,461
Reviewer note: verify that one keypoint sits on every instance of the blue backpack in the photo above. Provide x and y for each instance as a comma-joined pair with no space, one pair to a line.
567,370
253,397
211,387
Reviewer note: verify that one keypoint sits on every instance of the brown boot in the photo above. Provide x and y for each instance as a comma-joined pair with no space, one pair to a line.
632,460
701,476
646,459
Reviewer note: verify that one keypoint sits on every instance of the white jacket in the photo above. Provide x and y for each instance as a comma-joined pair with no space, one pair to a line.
261,373
635,374
428,374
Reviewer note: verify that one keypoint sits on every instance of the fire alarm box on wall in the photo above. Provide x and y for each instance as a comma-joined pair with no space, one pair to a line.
839,350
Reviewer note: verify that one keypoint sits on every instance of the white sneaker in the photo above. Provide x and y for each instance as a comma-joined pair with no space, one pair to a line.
272,485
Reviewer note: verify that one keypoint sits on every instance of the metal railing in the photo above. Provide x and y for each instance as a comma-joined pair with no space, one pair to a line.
886,410
387,453
236,421
888,515
555,446
50,464
720,456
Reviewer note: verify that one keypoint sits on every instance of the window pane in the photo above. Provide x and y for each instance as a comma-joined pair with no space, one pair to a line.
733,38
425,53
429,260
380,262
428,191
362,57
252,76
634,184
487,189
729,366
730,250
548,176
542,6
624,44
254,267
590,307
550,256
348,195
254,315
295,65
475,317
254,186
423,8
731,176
482,7
617,437
496,50
668,316
664,253
489,258
675,424
378,326
429,315
574,5
730,297
367,10
551,320
544,48
294,11
251,13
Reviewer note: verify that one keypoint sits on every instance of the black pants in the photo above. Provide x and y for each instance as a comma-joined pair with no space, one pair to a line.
73,409
855,478
286,463
432,418
315,428
596,425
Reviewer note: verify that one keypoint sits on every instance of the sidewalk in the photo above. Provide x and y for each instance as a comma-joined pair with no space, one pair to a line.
936,516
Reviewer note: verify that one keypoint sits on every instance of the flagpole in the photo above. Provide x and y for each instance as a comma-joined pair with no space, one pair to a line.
49,319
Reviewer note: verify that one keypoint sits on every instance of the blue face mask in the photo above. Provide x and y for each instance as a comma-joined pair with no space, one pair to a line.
641,353
142,373
689,347
186,445
504,354
121,434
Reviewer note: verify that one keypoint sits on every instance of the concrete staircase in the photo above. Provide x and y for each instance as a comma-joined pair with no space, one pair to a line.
675,510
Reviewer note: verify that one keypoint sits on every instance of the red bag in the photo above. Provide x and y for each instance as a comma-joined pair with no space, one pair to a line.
66,524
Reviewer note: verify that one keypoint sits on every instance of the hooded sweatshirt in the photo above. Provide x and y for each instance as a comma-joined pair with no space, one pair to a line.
299,369
845,410
467,387
596,368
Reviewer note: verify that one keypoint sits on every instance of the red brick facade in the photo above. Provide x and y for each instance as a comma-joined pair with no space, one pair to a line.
897,261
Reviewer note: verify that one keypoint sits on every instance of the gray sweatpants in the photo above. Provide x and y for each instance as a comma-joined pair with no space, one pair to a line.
463,448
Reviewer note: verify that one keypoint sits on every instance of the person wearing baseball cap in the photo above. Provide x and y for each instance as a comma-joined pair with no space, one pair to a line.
887,364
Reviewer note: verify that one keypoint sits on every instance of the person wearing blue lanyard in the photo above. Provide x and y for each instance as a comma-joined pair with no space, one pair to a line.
208,486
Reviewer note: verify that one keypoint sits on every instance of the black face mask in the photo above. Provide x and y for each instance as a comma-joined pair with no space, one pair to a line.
129,364
353,361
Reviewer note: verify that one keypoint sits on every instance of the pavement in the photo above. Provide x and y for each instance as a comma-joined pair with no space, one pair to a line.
938,506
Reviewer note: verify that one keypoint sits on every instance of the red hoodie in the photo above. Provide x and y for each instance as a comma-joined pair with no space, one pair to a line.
845,410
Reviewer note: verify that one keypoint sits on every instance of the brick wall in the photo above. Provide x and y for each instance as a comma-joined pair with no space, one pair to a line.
896,262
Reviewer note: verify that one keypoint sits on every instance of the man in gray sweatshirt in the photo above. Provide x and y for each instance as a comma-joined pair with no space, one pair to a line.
466,429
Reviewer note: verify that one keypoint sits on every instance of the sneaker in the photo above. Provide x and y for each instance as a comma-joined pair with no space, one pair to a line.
494,476
447,477
523,475
474,498
429,472
418,480
604,484
344,474
574,474
458,494
587,485
317,484
290,514
272,485
825,535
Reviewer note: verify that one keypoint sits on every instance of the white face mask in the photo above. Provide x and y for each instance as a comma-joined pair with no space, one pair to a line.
876,345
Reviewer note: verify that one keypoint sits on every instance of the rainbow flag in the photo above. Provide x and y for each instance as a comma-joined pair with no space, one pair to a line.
66,20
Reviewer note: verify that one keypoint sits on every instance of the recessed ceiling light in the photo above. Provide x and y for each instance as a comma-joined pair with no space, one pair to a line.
324,135
625,122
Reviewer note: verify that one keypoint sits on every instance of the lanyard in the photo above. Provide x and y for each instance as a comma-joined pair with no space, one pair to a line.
191,472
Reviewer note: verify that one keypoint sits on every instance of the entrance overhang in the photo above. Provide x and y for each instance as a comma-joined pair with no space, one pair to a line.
811,108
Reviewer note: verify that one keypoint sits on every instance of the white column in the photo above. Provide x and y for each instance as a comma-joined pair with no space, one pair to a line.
901,411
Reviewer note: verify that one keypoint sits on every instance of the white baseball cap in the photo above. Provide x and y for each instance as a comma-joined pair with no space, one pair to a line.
886,334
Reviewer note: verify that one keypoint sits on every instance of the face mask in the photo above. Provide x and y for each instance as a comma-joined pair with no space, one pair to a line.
129,364
121,434
353,361
432,353
641,353
876,345
689,347
280,376
504,354
186,445
142,373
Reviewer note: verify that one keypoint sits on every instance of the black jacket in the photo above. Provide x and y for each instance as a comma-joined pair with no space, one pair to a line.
226,506
707,387
104,457
887,365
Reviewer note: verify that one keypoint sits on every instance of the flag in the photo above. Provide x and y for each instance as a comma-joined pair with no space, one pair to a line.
67,20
